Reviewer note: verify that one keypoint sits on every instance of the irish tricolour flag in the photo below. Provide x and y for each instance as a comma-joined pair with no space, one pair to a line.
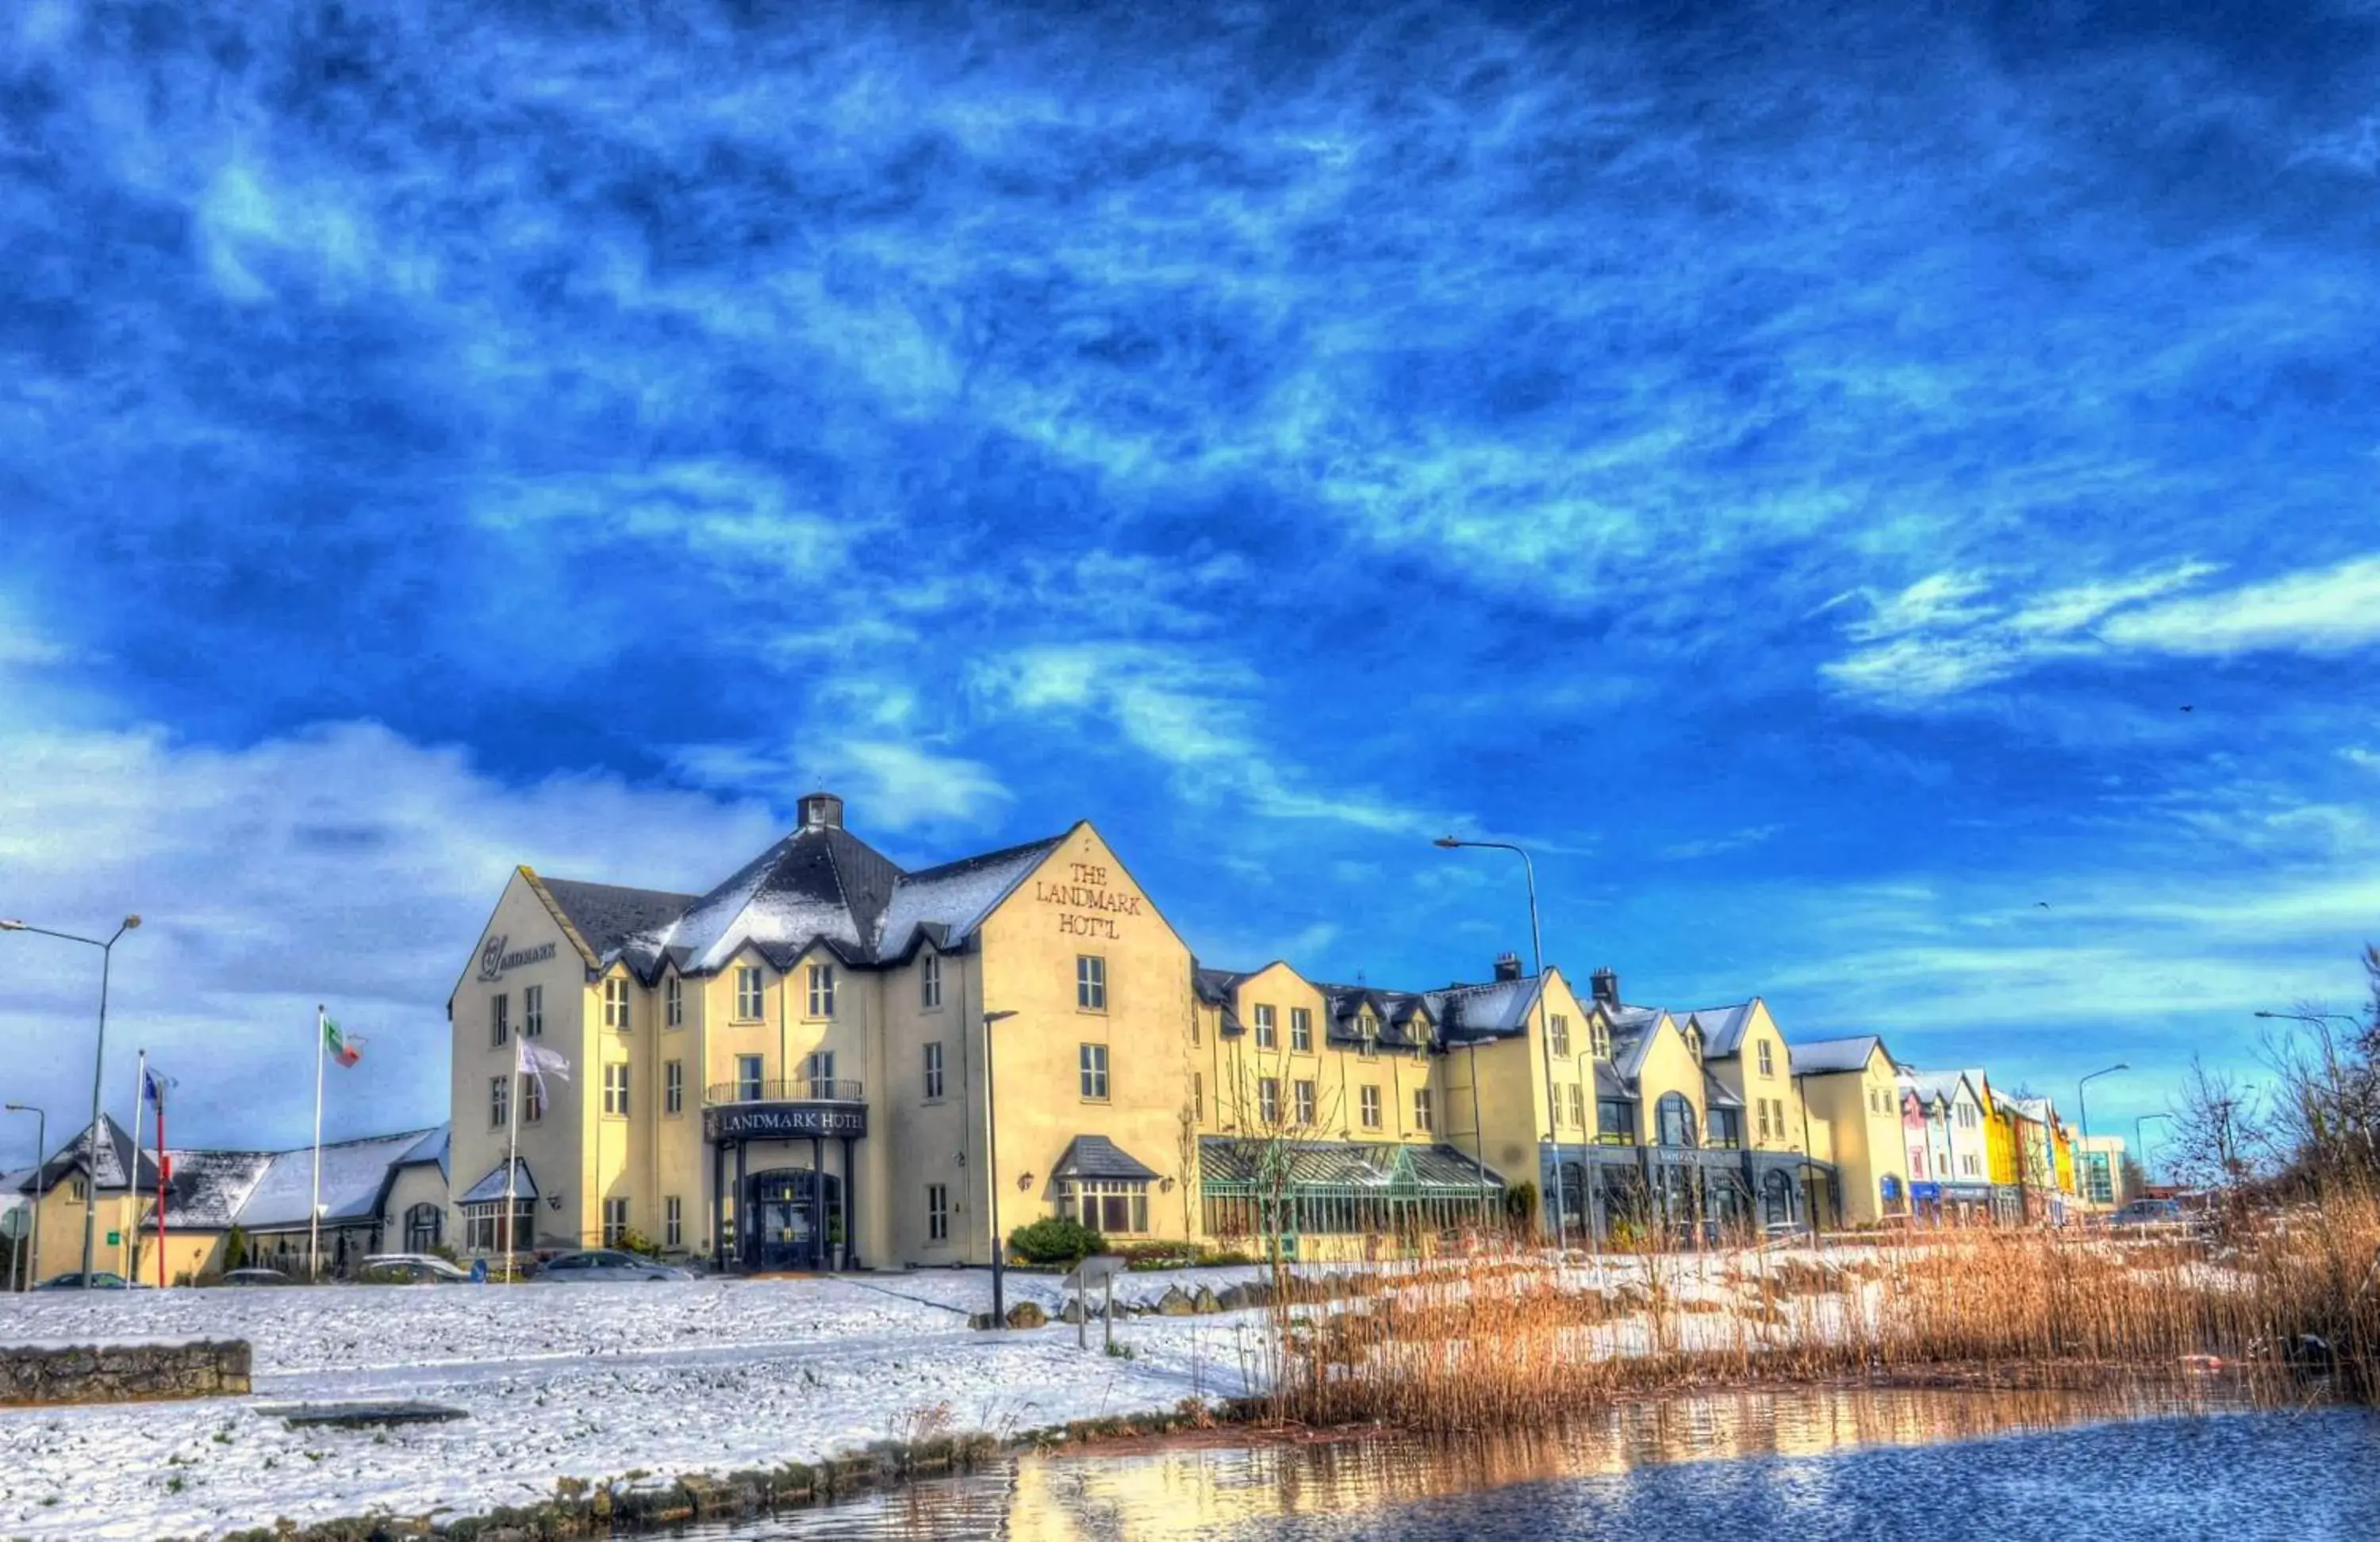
343,1047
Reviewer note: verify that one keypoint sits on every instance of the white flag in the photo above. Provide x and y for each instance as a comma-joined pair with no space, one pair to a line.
535,1060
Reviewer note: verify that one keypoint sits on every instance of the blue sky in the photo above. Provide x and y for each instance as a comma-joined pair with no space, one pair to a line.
1793,470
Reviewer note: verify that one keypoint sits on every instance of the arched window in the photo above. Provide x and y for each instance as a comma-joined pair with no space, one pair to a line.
425,1227
1676,1120
1776,1198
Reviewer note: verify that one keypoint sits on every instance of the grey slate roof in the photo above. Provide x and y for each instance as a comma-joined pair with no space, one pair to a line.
1823,1056
607,915
489,1190
819,886
115,1157
1722,1028
356,1177
209,1187
1097,1157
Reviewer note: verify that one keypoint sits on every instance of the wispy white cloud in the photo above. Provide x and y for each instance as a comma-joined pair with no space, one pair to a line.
2319,610
1719,845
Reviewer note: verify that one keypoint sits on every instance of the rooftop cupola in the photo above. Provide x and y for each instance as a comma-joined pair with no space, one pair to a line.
822,811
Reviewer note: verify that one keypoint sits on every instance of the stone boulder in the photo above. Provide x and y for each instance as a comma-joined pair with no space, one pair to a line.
1205,1302
1026,1314
1175,1303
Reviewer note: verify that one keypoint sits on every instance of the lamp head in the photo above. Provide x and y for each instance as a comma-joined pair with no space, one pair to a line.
1449,842
132,923
10,924
992,1018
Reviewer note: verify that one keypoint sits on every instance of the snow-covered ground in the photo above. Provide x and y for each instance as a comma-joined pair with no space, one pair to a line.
588,1381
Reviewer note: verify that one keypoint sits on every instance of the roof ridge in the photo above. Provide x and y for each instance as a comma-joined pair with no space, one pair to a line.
993,856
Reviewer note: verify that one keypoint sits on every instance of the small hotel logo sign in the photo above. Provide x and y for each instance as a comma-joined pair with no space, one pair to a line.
494,961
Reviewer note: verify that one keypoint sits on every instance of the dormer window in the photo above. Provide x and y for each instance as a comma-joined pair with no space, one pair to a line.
1598,1039
1695,1042
1368,1034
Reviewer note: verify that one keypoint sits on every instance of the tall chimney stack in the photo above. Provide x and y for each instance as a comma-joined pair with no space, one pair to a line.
1507,966
1606,983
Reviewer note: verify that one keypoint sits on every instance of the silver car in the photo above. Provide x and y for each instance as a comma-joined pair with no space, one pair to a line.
598,1264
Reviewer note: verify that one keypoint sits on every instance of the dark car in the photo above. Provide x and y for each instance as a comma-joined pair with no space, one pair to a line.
257,1277
100,1280
601,1264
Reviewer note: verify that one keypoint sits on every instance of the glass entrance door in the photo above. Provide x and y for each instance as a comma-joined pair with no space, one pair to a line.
785,1210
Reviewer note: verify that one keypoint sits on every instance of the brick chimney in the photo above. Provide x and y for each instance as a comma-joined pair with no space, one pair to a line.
1507,966
1606,985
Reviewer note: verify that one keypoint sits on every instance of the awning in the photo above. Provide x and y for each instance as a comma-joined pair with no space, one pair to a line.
1227,1164
489,1190
1097,1157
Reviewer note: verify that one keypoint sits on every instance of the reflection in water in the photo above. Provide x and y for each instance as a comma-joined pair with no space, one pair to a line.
1852,1463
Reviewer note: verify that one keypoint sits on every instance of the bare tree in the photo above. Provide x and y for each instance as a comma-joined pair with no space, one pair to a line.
2217,1131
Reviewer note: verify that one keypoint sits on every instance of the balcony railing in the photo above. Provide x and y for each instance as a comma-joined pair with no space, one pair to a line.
800,1089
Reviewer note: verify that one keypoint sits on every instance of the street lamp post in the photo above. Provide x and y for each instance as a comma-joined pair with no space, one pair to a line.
2083,1108
1537,961
41,1155
98,1064
2142,1140
991,1174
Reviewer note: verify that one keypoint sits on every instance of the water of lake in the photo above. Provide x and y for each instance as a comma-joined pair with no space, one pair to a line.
1865,1464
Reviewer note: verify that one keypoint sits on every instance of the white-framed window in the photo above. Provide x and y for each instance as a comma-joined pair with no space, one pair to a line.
500,1101
749,1069
673,1222
674,1087
1767,1059
1267,1028
1695,1042
1300,1030
1367,1099
1268,1100
1367,1035
532,1096
1578,1105
615,1221
1112,1206
817,1069
616,1003
1093,1065
822,978
929,981
1090,982
1425,1110
938,1212
934,1070
1197,1098
483,1225
1598,1039
1762,1104
1305,1095
673,1003
1557,1036
616,1088
532,1012
1968,1165
752,1001
500,1022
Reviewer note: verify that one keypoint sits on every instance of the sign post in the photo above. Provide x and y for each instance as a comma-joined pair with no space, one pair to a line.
1099,1269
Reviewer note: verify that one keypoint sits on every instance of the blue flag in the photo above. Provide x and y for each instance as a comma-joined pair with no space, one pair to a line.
154,1087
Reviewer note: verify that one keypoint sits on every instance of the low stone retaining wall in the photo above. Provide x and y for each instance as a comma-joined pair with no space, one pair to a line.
122,1373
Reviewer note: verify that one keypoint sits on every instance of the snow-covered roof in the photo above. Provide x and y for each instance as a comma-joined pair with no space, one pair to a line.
209,1187
355,1177
489,1190
1723,1027
820,885
1496,1010
1824,1056
1942,1084
115,1157
955,896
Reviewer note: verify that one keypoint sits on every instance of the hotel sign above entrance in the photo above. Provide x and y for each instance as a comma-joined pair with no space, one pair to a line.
495,960
783,1121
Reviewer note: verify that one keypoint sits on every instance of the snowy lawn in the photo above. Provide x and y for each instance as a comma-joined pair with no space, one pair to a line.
590,1381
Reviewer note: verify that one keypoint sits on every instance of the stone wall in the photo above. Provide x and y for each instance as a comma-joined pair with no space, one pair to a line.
122,1373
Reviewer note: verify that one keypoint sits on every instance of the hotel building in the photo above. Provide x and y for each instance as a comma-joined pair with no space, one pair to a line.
828,1062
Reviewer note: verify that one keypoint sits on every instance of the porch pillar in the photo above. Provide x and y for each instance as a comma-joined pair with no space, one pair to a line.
743,1233
820,1258
717,1207
850,1208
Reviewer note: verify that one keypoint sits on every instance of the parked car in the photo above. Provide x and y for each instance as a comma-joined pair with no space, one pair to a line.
598,1264
2149,1212
100,1279
409,1268
257,1277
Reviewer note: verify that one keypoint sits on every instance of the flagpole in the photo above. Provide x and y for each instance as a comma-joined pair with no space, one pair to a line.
132,1179
314,1211
512,1152
165,1164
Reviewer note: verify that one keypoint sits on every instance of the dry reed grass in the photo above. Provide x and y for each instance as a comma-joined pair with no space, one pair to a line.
1504,1340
